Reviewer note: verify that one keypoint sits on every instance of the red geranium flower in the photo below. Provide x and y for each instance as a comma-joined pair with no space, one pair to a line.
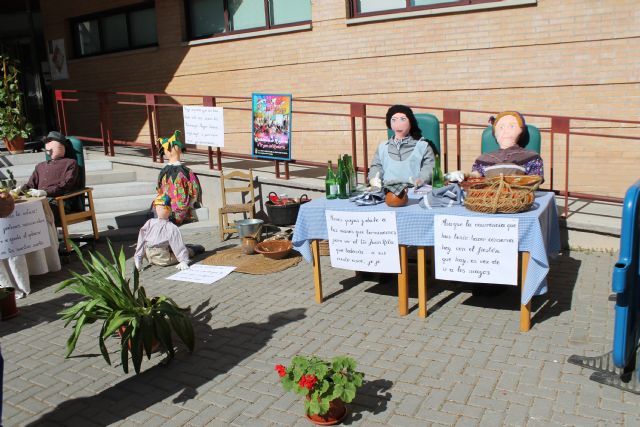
282,370
307,381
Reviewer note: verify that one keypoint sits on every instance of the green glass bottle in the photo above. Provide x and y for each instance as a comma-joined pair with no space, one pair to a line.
343,180
353,179
437,179
331,186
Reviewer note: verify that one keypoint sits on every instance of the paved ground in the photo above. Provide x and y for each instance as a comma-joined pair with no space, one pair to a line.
465,365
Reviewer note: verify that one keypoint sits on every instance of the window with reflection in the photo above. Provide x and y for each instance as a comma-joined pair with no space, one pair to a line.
208,18
377,7
114,31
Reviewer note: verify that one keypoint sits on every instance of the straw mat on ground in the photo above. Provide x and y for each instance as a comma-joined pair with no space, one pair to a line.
252,264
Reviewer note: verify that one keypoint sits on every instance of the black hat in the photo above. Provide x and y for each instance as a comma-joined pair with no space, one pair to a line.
55,136
415,131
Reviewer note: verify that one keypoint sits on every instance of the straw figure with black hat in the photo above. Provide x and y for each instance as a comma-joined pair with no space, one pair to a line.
406,157
160,241
56,176
178,181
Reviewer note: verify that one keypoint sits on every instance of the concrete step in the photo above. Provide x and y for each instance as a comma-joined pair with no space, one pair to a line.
23,172
131,233
9,160
143,190
110,177
128,219
115,204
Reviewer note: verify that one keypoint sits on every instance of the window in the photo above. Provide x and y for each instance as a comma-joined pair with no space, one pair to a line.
376,7
214,17
115,31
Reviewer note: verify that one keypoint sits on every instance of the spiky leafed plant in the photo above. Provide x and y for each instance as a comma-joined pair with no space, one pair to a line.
110,298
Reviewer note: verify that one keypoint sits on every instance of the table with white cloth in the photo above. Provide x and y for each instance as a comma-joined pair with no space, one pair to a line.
15,270
538,231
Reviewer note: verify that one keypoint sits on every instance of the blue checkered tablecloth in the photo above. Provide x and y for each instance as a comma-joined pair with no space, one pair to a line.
539,231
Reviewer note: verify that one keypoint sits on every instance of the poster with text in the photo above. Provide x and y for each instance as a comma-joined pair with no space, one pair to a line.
203,125
363,241
271,126
476,249
57,59
24,231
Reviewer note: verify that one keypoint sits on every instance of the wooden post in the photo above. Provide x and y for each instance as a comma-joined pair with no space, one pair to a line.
317,274
525,309
422,282
403,283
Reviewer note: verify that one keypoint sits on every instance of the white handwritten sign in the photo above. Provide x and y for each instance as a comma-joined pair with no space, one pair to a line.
200,273
24,231
474,249
203,125
363,241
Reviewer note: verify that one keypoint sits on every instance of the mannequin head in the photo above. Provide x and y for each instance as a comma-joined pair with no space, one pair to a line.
401,120
162,205
172,147
54,144
507,128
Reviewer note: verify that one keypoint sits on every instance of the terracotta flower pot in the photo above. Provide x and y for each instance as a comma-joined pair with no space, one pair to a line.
8,308
336,413
7,204
15,146
155,344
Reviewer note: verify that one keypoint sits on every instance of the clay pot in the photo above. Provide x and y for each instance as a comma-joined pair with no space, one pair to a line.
396,201
7,204
155,344
15,146
336,413
8,308
248,245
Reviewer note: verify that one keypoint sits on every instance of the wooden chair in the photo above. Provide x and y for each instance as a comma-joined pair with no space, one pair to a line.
80,201
235,208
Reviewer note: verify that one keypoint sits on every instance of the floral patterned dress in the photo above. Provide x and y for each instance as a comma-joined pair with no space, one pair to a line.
183,188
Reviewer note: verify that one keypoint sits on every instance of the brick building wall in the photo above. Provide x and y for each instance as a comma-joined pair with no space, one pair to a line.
572,57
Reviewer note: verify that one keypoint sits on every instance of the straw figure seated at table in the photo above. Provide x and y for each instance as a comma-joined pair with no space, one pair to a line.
406,157
160,241
179,182
56,176
509,129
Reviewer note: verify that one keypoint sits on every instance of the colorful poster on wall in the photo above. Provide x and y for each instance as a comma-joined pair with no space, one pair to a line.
271,126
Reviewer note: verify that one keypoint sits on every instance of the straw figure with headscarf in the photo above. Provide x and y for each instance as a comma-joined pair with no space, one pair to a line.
406,157
178,181
508,128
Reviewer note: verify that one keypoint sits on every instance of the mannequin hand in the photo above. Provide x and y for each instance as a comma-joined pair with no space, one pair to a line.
182,266
418,182
376,181
37,193
455,176
138,264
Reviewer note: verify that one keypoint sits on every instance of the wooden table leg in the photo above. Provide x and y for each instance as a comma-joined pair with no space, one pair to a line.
403,283
422,282
317,274
525,309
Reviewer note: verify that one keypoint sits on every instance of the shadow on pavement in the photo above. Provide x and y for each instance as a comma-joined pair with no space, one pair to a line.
217,351
372,397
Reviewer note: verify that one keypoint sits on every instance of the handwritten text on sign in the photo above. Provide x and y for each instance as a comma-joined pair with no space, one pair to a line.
203,125
363,241
473,249
24,231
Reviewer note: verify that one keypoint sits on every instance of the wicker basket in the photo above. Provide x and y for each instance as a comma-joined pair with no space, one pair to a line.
324,248
503,194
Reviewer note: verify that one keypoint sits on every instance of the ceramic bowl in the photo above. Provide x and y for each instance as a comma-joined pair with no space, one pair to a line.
396,201
274,249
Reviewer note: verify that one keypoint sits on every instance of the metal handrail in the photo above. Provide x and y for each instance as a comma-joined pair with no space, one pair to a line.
451,117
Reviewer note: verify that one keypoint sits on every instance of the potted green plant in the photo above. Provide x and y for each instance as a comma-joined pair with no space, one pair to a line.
326,386
124,309
14,127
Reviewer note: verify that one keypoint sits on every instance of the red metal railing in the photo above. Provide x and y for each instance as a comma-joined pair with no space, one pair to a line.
357,112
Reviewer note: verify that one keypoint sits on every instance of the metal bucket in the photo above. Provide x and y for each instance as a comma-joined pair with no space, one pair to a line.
249,228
